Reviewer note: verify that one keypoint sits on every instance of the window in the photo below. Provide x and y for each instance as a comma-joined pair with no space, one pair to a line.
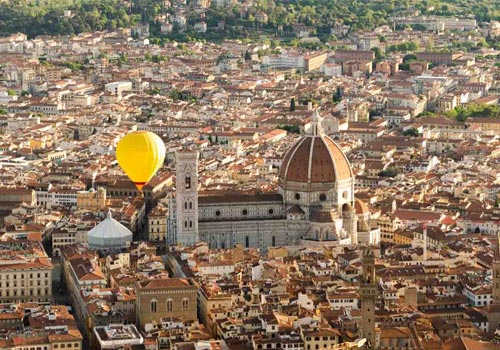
271,211
153,305
187,182
273,241
185,205
247,242
190,224
244,212
170,305
217,213
322,197
190,205
185,304
297,196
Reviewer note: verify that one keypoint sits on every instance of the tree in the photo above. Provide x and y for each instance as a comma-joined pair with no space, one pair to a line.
378,53
292,104
413,132
389,172
474,110
337,96
247,56
11,92
295,129
175,95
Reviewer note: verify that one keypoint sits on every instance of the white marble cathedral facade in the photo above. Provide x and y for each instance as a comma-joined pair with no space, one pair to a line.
314,205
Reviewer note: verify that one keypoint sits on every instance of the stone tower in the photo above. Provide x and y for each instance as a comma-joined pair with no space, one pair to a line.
495,267
350,222
493,313
368,292
186,200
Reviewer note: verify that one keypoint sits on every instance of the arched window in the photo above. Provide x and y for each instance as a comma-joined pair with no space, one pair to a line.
185,304
170,305
153,305
274,241
187,182
185,205
190,223
190,205
185,224
247,242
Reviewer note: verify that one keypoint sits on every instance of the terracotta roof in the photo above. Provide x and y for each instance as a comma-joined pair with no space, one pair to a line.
315,159
226,197
463,343
165,283
360,207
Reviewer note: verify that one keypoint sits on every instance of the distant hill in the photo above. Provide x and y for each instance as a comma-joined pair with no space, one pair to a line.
37,17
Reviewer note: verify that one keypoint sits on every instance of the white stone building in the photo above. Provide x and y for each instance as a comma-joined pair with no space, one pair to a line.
109,234
315,202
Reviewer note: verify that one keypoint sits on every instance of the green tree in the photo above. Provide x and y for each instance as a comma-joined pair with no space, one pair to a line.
411,132
389,172
295,129
378,53
292,104
175,95
337,95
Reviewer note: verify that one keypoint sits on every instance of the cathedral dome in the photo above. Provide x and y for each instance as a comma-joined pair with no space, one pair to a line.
314,159
109,234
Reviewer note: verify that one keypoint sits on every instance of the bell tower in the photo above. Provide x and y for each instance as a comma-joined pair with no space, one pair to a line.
186,200
495,267
368,292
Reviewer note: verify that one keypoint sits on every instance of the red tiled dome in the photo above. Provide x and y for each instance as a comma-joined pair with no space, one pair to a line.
315,159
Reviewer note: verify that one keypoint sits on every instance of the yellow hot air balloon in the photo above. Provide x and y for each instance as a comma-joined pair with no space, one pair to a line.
140,155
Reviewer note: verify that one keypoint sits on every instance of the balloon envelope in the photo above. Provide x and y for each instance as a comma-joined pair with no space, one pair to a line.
140,155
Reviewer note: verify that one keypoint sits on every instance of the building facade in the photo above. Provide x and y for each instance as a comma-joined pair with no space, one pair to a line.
368,291
168,298
26,276
314,204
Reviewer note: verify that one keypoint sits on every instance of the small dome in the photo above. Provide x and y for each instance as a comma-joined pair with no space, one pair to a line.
109,234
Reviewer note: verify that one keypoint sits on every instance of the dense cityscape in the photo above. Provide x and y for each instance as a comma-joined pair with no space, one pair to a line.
330,180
